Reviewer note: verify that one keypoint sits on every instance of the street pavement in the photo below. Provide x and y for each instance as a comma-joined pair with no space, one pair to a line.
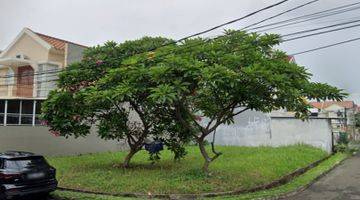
343,183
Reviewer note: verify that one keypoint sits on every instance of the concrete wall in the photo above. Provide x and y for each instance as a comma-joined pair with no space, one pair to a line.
258,129
39,140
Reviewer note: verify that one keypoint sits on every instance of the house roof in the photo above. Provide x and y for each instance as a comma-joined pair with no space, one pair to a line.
326,104
46,41
291,58
57,43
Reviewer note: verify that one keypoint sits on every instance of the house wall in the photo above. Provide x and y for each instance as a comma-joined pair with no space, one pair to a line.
39,140
74,53
258,129
57,57
28,46
3,88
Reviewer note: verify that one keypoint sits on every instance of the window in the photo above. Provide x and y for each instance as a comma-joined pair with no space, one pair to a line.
20,112
11,77
27,110
46,81
22,163
38,113
13,112
2,111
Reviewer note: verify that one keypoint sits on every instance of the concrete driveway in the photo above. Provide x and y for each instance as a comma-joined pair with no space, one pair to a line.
341,184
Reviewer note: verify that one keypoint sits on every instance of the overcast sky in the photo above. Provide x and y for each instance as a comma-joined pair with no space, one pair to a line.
92,22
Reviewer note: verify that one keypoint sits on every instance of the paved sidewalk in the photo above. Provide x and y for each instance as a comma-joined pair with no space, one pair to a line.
341,184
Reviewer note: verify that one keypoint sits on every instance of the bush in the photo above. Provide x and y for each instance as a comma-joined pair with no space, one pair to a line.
343,138
341,148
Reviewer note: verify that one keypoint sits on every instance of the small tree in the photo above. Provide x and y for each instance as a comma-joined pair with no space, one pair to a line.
225,77
103,91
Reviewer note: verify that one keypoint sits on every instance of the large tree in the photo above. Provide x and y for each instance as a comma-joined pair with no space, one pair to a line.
173,87
227,76
104,90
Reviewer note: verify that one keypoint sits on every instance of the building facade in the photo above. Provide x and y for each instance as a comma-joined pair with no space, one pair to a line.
29,68
342,115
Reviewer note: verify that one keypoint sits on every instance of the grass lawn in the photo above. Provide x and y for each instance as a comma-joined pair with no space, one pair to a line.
239,167
292,186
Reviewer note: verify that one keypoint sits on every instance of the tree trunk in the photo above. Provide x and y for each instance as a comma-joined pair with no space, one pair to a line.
205,155
129,156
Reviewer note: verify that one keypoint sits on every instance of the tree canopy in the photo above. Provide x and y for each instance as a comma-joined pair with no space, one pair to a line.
171,88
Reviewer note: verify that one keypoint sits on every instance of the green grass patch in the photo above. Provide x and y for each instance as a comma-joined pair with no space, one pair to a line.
298,182
238,168
290,187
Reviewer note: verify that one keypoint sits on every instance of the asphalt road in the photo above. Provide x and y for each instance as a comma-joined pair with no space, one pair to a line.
343,183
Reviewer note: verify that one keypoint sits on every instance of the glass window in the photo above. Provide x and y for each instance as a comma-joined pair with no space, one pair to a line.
22,163
12,119
26,119
13,106
38,112
27,107
38,107
2,111
1,119
20,112
2,106
13,112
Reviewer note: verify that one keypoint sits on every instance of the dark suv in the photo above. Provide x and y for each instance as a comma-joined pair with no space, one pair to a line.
23,173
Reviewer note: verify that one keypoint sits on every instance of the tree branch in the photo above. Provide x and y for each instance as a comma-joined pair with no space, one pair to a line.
217,154
219,122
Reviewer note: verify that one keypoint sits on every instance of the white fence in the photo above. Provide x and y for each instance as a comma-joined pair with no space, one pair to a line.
258,129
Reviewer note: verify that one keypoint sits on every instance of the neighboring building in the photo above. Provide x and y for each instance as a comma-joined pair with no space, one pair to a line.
28,70
341,114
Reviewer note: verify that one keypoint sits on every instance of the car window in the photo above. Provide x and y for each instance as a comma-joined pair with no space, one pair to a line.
25,163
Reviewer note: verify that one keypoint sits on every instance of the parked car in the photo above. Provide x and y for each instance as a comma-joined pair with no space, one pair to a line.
24,173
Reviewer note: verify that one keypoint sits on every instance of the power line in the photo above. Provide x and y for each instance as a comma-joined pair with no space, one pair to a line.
320,28
222,25
294,54
33,74
310,19
305,16
280,14
57,71
320,33
320,22
325,47
196,34
27,84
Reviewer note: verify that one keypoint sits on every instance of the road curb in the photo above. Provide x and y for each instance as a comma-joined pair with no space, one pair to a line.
282,181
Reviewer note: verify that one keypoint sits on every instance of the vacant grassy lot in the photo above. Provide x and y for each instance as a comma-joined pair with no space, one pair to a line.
239,167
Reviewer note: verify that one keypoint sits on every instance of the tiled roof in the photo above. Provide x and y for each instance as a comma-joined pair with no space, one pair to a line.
325,104
57,43
291,58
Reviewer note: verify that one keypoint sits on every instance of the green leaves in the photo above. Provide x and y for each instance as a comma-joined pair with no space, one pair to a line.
163,94
166,87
